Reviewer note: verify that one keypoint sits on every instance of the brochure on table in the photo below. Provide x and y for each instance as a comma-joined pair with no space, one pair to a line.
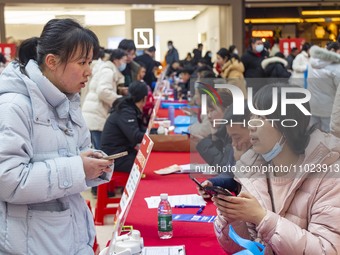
130,188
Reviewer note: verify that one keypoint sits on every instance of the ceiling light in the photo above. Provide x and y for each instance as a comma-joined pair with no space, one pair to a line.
273,20
320,12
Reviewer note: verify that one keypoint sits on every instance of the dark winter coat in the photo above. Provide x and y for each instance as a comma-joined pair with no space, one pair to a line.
123,130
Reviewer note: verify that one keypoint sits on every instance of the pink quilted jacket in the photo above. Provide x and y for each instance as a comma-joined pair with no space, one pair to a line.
309,220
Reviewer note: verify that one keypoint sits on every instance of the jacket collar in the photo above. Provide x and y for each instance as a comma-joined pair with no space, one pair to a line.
322,149
64,105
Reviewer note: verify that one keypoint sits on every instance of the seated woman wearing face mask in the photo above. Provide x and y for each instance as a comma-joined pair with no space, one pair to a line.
102,93
290,192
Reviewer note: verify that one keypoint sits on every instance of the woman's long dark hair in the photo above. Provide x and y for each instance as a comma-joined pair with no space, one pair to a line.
61,37
137,91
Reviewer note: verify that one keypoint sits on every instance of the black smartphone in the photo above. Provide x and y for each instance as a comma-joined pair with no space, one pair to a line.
198,183
215,190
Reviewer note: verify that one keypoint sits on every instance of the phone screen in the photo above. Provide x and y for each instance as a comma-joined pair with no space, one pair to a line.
215,190
115,156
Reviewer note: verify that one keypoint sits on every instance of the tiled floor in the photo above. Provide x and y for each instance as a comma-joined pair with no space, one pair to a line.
104,233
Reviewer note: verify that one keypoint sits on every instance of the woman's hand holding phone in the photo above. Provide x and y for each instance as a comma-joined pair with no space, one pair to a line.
244,207
94,164
201,189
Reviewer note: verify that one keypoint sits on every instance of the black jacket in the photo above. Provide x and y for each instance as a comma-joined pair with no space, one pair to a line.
252,64
149,64
217,151
253,71
122,131
274,67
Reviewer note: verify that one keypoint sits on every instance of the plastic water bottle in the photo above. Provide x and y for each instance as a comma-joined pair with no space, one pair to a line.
164,218
171,114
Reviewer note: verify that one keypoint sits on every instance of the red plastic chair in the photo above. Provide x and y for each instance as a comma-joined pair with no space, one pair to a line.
118,179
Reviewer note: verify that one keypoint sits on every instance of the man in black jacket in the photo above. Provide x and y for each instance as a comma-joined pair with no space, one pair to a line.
251,60
147,59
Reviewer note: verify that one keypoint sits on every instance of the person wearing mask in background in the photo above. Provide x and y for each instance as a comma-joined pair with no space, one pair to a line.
147,59
102,93
124,129
251,60
233,50
290,212
300,67
293,53
131,70
171,55
208,58
46,160
197,54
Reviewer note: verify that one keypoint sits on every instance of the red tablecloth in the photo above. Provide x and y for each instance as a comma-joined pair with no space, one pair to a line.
198,238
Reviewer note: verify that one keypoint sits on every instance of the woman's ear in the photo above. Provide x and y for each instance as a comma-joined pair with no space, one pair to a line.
51,61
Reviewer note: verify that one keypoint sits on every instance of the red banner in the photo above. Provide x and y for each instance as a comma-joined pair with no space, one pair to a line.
8,50
287,44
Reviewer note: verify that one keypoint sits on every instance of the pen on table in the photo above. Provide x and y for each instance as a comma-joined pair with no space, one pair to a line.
188,206
200,210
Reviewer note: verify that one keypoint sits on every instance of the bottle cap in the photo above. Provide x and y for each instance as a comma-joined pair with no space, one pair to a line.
164,196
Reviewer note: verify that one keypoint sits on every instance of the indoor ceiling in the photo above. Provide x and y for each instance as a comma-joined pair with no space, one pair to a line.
95,14
107,14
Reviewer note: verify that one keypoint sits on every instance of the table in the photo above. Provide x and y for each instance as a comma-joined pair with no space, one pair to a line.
198,238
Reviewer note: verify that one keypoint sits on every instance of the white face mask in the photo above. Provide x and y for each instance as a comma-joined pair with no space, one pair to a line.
270,155
235,52
259,48
170,47
122,67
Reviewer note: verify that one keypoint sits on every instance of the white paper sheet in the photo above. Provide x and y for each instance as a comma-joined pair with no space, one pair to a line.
164,250
191,199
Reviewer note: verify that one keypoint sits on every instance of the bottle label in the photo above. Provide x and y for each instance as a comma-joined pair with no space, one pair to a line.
165,223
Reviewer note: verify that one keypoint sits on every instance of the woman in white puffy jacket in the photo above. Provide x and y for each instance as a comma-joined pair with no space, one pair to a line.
300,66
45,155
102,93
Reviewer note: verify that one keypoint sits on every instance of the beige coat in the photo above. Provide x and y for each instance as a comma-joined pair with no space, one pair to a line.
308,222
102,93
233,71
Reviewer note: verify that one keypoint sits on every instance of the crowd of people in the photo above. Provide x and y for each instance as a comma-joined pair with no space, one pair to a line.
66,102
